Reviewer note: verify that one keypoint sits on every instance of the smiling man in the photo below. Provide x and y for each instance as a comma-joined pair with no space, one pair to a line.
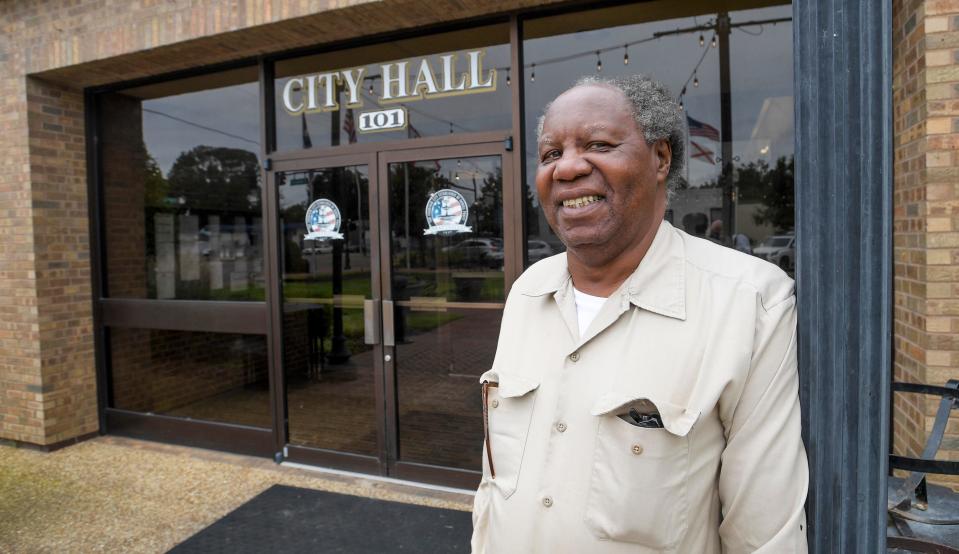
644,395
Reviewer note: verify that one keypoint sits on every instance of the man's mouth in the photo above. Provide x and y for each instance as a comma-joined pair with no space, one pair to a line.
582,201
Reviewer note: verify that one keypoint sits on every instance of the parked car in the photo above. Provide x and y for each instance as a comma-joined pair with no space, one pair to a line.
320,247
537,250
778,249
487,252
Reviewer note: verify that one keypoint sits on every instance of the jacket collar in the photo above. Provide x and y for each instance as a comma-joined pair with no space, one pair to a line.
658,284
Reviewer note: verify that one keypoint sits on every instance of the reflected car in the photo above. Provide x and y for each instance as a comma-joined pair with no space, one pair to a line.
324,247
487,252
538,250
778,249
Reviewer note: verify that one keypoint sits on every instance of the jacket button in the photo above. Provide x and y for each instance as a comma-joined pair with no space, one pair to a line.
494,403
561,427
637,449
574,357
547,501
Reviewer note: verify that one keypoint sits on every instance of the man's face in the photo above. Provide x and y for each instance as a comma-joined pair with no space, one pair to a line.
602,187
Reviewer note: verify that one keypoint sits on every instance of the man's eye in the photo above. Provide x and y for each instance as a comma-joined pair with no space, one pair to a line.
550,155
600,146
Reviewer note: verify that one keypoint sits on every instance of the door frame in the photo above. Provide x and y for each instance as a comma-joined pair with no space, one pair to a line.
512,262
377,156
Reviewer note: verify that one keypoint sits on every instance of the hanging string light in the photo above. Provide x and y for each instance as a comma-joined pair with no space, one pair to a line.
713,42
371,88
702,40
532,76
695,80
507,77
599,63
451,127
625,54
681,105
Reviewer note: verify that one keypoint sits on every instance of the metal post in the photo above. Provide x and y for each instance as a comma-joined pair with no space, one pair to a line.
726,123
843,121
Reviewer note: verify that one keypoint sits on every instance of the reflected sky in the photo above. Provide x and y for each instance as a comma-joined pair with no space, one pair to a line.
760,67
761,92
227,117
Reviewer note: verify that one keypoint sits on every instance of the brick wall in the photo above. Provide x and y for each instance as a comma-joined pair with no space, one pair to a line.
926,201
160,371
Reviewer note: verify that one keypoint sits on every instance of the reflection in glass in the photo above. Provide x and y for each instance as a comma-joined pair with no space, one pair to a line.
443,343
218,377
439,362
328,366
463,266
739,201
181,189
333,120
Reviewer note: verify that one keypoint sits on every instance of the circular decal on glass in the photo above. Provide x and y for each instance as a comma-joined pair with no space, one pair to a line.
446,213
323,221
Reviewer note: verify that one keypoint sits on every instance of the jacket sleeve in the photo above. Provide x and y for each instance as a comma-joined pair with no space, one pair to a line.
764,475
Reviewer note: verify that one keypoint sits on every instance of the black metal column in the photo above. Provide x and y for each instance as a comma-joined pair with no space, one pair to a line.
843,68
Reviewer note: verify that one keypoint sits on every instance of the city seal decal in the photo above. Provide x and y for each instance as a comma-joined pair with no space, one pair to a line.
323,221
446,213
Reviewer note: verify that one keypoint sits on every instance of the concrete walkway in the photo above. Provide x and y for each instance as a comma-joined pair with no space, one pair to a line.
112,494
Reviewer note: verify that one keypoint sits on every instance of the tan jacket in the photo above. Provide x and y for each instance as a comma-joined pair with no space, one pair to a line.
702,335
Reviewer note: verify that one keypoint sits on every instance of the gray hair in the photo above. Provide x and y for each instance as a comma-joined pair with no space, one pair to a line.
656,113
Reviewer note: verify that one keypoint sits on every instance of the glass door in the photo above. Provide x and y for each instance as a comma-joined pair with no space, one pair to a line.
331,359
393,271
444,245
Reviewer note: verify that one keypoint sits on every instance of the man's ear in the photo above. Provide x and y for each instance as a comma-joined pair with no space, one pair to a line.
664,153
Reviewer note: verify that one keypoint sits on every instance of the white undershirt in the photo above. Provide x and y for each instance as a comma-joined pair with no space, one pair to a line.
587,306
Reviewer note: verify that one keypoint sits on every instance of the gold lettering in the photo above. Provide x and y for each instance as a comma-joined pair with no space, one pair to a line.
449,68
353,85
476,70
329,83
424,78
287,101
399,81
311,92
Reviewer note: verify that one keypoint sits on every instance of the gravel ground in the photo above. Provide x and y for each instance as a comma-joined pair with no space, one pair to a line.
113,494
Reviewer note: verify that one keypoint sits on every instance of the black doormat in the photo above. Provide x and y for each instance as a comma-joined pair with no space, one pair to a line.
285,519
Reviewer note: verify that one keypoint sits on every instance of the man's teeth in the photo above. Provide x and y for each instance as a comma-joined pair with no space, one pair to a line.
581,201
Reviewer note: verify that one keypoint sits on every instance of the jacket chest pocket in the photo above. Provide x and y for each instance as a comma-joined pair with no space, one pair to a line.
638,481
507,411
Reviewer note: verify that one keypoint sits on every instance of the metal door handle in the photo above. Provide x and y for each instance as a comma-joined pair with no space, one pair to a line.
389,338
371,330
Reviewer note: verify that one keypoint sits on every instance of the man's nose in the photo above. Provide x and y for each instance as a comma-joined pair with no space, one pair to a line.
571,166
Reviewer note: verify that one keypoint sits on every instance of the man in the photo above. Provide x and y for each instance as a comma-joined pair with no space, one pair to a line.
644,395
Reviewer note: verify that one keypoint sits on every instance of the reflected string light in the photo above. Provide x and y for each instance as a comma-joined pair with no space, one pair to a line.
713,42
532,76
625,54
599,63
702,40
507,77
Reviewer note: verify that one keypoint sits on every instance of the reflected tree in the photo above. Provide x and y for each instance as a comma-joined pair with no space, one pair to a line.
217,179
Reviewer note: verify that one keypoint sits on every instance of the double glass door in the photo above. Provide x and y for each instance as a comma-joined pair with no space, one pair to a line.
393,269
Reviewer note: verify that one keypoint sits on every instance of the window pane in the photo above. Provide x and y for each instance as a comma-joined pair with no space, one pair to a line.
330,99
464,265
211,376
181,189
327,276
752,199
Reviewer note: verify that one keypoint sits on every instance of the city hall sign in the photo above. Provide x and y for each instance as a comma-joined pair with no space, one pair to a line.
400,81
